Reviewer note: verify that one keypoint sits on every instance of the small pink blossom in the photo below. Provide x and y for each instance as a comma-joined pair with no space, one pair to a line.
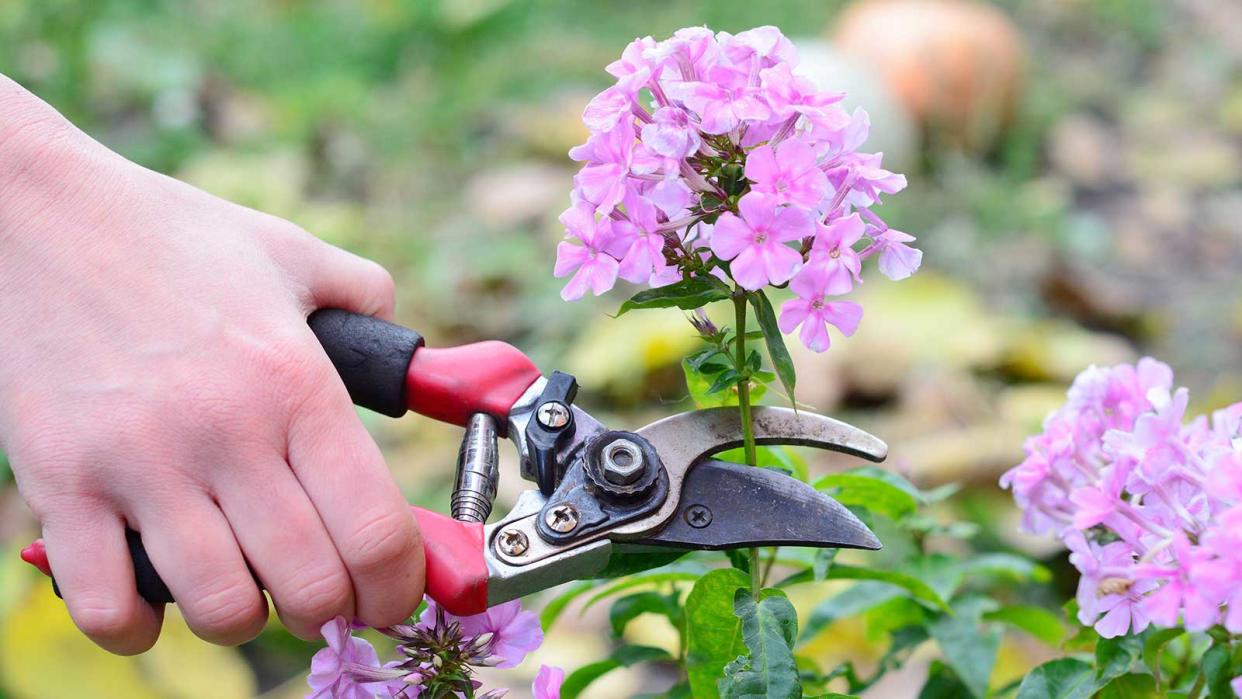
765,45
865,179
791,95
755,241
814,313
725,99
788,173
639,243
606,109
548,683
332,668
672,137
591,265
514,631
897,259
609,155
634,68
833,252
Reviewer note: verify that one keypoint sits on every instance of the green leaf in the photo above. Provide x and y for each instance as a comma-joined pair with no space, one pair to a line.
1007,565
553,610
781,361
780,458
1066,678
739,558
941,572
1130,686
699,383
707,385
1115,656
637,580
1154,645
876,495
687,295
1218,672
769,628
624,656
969,650
725,380
1036,621
918,589
623,563
942,683
713,633
822,563
852,600
628,608
895,616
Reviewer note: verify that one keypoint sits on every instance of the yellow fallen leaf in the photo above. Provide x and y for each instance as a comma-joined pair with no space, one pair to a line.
42,654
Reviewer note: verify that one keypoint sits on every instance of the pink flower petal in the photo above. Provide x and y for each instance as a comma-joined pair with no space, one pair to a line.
793,313
730,236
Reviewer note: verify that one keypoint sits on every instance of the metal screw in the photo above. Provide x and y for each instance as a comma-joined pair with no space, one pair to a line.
512,542
562,519
698,516
623,462
553,415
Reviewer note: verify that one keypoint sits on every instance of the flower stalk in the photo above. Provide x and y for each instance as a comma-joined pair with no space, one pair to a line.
743,406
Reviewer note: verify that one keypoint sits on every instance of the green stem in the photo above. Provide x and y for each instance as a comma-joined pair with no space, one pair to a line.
743,403
1198,686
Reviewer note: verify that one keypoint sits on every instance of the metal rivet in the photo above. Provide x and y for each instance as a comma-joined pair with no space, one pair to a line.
512,542
553,415
623,462
698,516
562,519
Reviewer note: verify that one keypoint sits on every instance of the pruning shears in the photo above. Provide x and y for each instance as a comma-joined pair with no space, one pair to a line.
600,491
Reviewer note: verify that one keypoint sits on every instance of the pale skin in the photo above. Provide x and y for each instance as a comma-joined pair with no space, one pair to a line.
158,373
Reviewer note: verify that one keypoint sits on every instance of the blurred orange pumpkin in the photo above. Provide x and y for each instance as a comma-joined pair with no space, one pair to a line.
956,65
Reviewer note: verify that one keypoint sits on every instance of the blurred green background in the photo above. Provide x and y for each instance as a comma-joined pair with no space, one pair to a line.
1074,173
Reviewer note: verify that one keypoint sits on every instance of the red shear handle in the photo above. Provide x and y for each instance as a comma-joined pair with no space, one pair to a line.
386,368
454,383
456,570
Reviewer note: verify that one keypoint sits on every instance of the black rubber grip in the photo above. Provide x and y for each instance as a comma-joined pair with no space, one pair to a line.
150,586
371,355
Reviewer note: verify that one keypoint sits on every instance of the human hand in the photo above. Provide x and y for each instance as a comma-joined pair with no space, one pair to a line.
159,374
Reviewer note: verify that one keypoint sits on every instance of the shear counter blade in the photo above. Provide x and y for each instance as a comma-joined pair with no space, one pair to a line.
726,505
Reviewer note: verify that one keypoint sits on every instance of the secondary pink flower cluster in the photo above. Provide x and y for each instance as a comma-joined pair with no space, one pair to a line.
1149,504
437,654
711,155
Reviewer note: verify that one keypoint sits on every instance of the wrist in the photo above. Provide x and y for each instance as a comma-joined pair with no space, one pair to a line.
39,150
35,139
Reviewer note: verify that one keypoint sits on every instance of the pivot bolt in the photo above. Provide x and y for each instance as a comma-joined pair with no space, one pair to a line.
698,516
553,415
562,519
623,462
512,542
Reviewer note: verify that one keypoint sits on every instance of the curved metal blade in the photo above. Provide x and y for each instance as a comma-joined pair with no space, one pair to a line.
726,505
682,439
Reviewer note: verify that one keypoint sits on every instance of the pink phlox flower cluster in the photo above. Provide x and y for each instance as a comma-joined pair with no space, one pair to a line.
436,655
711,155
1148,503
